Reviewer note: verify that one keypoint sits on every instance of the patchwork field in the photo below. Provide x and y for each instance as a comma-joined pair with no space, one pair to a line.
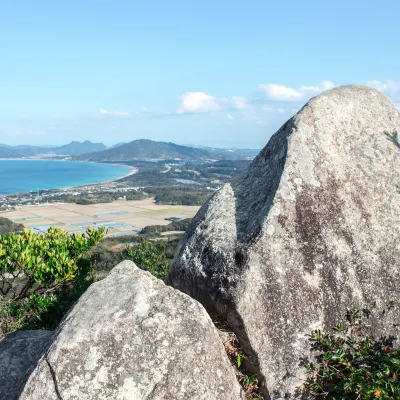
120,217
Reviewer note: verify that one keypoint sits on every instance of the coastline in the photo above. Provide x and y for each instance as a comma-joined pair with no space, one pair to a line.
132,171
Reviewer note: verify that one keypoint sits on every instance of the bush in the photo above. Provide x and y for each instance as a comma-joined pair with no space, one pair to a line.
42,275
150,256
155,230
351,363
7,226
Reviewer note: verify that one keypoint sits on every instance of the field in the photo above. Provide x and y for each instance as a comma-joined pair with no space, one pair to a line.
120,217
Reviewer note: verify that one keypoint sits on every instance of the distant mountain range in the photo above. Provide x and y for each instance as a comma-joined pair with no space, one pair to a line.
137,150
70,149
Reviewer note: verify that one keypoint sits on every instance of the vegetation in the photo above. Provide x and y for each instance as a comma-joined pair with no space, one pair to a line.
394,137
203,173
7,226
160,180
351,362
150,256
102,197
155,230
42,275
112,250
180,196
247,380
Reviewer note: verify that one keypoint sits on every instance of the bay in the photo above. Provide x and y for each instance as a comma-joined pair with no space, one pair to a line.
25,175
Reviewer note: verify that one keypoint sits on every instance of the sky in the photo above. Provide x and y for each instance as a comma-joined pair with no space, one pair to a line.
206,72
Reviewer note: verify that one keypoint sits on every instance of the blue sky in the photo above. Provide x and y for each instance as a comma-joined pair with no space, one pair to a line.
210,72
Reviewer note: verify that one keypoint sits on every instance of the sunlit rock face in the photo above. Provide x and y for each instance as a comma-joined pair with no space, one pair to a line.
311,229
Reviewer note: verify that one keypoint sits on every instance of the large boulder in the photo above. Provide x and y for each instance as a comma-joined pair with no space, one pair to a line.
19,352
311,229
131,337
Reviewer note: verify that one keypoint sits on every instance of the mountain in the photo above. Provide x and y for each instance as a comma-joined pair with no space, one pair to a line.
141,149
76,148
144,149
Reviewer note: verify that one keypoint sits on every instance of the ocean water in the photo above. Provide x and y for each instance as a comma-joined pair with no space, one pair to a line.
25,175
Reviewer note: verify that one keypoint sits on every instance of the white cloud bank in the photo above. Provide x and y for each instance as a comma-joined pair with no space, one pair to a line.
277,92
193,102
200,102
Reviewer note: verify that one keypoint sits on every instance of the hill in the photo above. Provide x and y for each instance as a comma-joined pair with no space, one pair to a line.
144,149
76,148
7,151
71,149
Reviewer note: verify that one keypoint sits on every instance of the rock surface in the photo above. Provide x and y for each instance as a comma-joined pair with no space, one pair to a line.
19,351
311,229
131,337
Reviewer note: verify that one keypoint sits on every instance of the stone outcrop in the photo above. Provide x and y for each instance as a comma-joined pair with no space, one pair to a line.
311,229
19,352
132,337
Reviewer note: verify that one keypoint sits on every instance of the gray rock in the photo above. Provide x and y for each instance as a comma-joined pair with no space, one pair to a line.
311,229
19,352
132,337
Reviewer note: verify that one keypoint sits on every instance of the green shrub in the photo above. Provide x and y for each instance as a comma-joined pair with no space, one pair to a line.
150,256
42,275
7,226
351,363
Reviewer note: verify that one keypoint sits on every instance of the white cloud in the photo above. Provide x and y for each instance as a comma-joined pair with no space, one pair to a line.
391,88
238,102
278,92
115,113
193,102
229,116
197,102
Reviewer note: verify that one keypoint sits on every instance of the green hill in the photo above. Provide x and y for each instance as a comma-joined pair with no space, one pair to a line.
144,149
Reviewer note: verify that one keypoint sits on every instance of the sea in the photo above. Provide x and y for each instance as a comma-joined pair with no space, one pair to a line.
25,175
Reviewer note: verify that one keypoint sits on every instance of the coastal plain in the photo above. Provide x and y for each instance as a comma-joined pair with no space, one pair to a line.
121,217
